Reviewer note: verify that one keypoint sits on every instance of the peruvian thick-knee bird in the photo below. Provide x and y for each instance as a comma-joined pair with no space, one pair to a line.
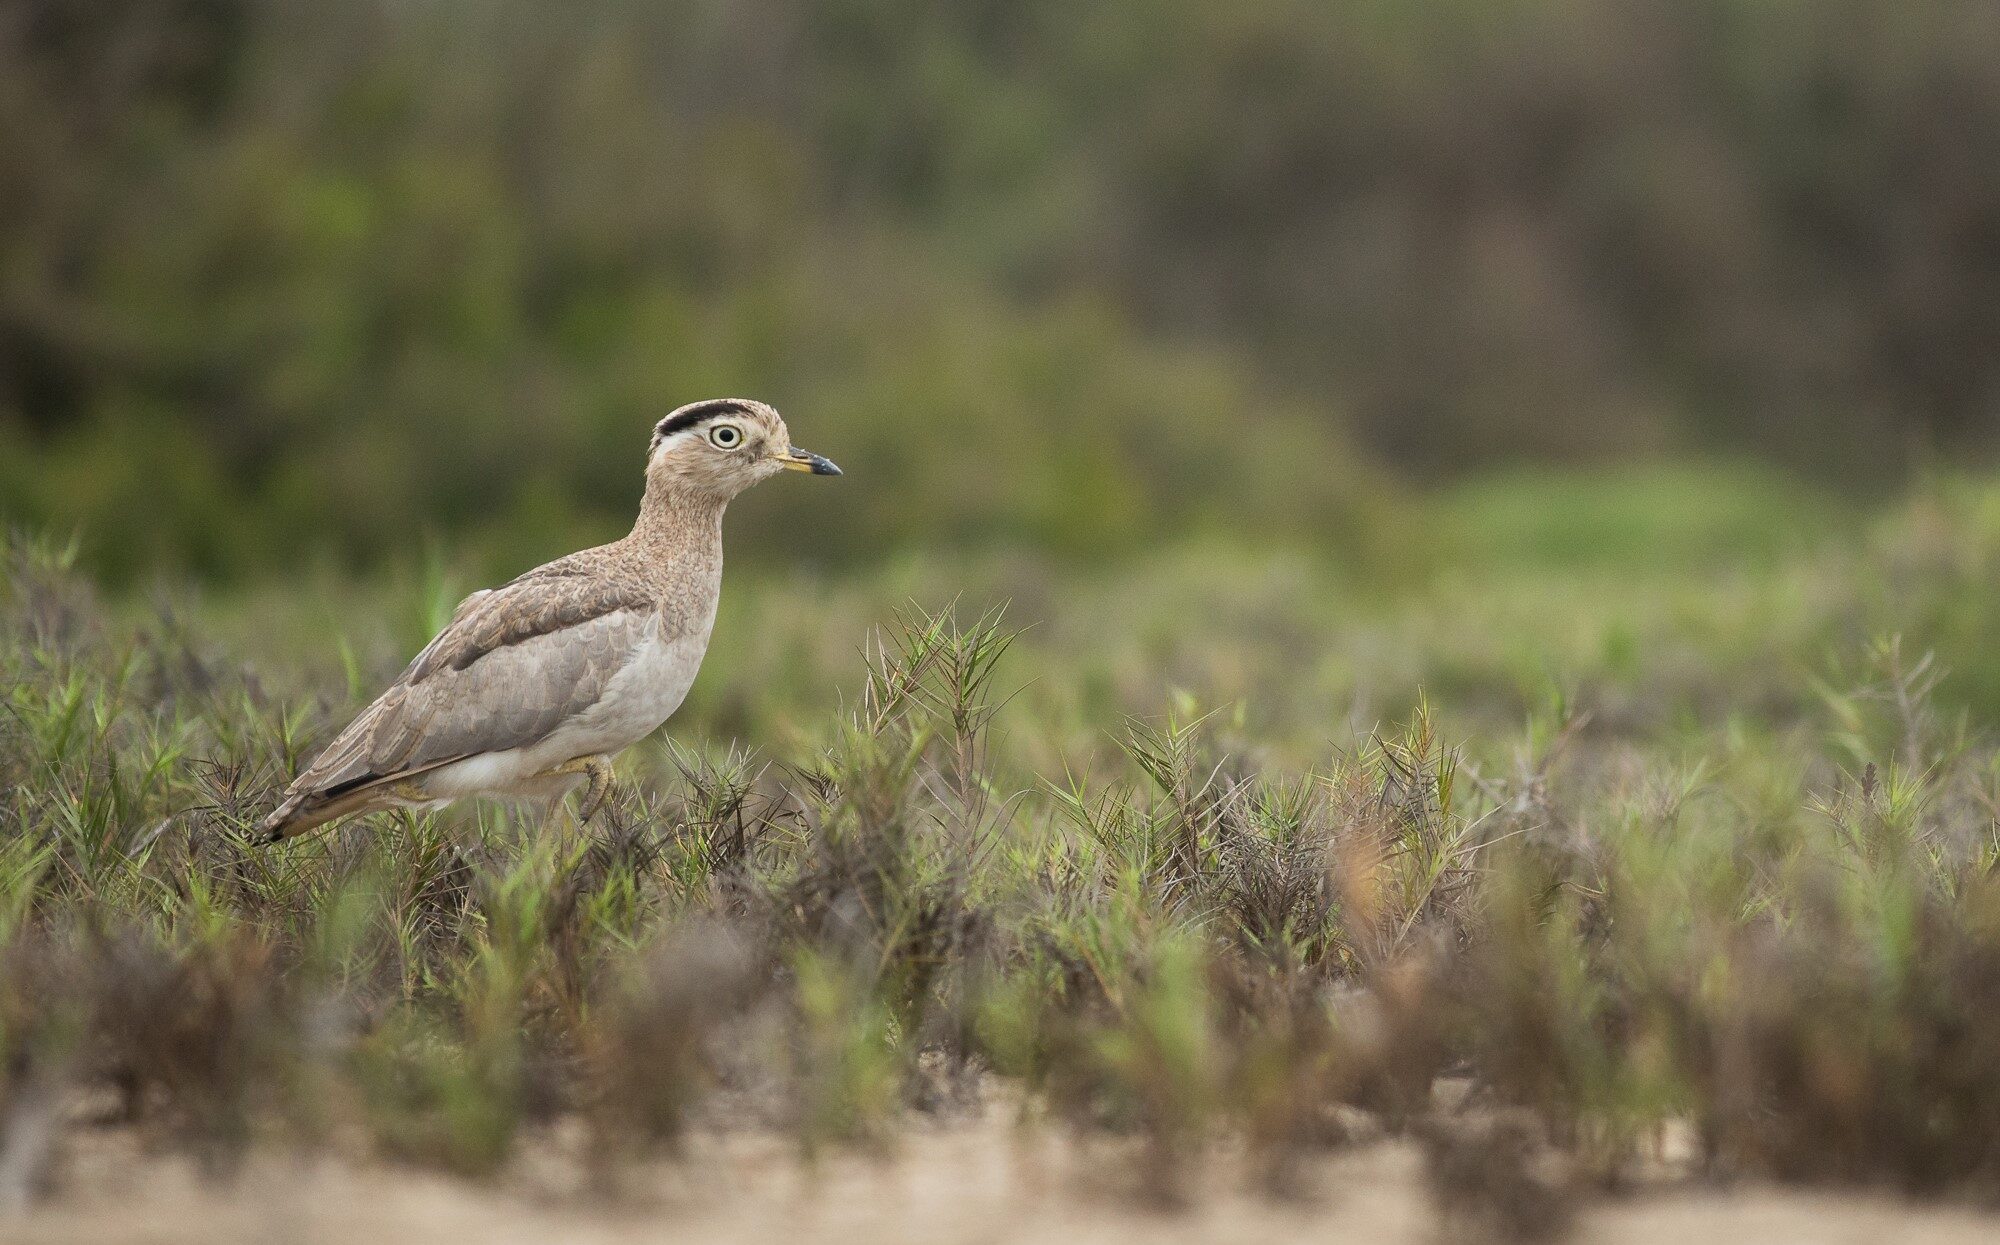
533,686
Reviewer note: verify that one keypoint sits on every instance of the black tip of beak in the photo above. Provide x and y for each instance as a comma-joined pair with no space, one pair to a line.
824,466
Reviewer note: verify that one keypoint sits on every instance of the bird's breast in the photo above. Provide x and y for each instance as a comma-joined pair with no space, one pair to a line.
642,694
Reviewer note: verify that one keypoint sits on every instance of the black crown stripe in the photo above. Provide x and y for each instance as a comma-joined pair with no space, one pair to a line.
700,412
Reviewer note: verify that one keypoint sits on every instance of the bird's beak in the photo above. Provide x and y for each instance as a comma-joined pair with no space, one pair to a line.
796,459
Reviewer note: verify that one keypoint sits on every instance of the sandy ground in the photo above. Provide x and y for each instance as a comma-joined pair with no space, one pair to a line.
981,1181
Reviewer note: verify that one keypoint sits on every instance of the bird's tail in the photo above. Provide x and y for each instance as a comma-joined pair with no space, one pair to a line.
283,820
301,811
307,808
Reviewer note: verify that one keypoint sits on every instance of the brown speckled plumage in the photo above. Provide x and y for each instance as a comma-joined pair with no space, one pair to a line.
531,684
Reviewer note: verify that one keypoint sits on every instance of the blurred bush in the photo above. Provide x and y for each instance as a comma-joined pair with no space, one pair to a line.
1034,274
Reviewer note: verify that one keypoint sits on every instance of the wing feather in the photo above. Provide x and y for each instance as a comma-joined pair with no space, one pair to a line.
543,601
512,665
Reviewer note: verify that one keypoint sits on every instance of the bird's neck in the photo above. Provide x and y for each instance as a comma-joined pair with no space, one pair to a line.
679,527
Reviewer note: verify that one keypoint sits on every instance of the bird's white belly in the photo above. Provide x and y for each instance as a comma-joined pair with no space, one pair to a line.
642,695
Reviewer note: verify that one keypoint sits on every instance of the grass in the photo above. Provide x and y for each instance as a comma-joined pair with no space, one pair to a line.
1221,847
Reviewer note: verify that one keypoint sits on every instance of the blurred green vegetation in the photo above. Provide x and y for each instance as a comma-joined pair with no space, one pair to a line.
1227,849
1660,598
287,282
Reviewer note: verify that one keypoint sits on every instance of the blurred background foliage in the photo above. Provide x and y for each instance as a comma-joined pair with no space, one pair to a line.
284,282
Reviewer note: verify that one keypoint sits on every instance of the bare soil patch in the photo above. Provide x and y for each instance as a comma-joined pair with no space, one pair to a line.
983,1180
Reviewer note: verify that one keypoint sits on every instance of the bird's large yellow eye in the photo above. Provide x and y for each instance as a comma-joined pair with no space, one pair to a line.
725,436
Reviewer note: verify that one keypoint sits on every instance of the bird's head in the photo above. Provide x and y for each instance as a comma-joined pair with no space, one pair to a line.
723,446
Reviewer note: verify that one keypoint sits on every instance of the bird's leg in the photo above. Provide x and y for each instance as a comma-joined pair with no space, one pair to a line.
597,788
596,771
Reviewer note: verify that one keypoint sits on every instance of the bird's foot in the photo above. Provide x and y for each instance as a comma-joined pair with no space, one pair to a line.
596,771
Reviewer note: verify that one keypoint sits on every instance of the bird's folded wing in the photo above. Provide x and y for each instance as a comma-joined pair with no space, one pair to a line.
543,601
513,664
